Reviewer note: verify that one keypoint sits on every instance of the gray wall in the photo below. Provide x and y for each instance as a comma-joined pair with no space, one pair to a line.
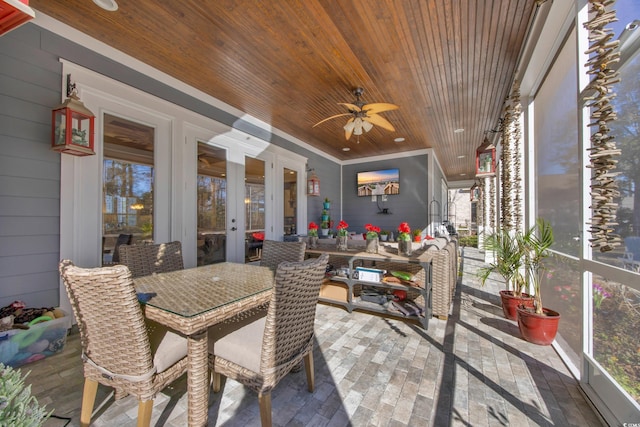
409,206
29,172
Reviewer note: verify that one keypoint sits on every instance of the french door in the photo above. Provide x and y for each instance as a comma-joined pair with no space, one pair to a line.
230,201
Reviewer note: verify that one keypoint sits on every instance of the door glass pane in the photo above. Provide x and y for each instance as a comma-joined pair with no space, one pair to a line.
290,201
616,342
212,204
254,208
127,202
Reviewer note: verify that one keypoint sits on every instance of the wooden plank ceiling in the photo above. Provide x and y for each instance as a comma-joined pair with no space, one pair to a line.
447,64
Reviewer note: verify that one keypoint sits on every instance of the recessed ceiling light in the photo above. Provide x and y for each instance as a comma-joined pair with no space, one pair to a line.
346,149
462,156
400,139
109,5
459,130
463,174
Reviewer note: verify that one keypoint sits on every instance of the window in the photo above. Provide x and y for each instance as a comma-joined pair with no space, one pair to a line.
127,201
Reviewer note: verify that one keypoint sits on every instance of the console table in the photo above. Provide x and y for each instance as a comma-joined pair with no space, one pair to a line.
345,290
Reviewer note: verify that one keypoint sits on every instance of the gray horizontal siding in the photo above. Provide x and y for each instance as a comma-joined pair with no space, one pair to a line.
29,171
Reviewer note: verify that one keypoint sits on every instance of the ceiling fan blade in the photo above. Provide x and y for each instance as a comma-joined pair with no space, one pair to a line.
352,107
379,121
379,107
332,117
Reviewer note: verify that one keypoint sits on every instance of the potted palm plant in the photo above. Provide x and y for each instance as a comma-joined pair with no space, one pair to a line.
537,324
508,263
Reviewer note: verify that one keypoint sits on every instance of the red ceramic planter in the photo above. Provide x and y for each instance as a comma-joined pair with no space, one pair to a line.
511,302
539,329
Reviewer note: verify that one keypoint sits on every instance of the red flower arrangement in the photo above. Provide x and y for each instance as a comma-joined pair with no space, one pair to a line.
342,228
313,229
404,231
372,231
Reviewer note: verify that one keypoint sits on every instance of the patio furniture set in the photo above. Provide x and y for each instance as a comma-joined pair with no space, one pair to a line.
147,321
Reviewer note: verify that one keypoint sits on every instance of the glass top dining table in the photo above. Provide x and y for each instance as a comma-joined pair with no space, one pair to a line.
191,300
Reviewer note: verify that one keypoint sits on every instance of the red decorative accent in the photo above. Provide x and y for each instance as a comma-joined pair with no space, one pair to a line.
72,128
486,159
313,185
258,236
510,303
14,13
539,329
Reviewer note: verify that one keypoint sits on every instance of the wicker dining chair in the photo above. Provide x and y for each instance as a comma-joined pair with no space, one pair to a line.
262,352
122,240
144,260
117,349
275,252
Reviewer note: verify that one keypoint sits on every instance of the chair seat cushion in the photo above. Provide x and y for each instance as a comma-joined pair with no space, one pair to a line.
167,347
242,346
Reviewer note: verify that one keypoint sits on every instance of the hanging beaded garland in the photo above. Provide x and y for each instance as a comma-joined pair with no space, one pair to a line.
516,139
602,153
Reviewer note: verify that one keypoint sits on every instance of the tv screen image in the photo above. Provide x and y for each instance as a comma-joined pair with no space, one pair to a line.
380,182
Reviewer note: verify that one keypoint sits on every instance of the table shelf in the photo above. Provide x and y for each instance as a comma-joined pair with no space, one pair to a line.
345,291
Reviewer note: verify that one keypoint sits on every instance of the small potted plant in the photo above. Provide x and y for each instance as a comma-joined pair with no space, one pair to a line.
372,238
312,234
343,235
384,235
417,235
404,239
537,324
508,263
325,215
324,227
326,204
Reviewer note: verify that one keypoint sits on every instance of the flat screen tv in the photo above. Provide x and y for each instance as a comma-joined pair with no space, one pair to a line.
379,182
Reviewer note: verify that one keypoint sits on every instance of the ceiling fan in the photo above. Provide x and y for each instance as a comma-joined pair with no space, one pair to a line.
202,159
363,116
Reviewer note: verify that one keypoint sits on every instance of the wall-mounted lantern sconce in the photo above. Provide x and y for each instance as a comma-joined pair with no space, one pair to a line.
72,125
313,184
474,193
486,159
14,13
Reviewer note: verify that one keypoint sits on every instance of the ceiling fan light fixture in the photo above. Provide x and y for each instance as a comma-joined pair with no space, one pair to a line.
349,126
363,117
